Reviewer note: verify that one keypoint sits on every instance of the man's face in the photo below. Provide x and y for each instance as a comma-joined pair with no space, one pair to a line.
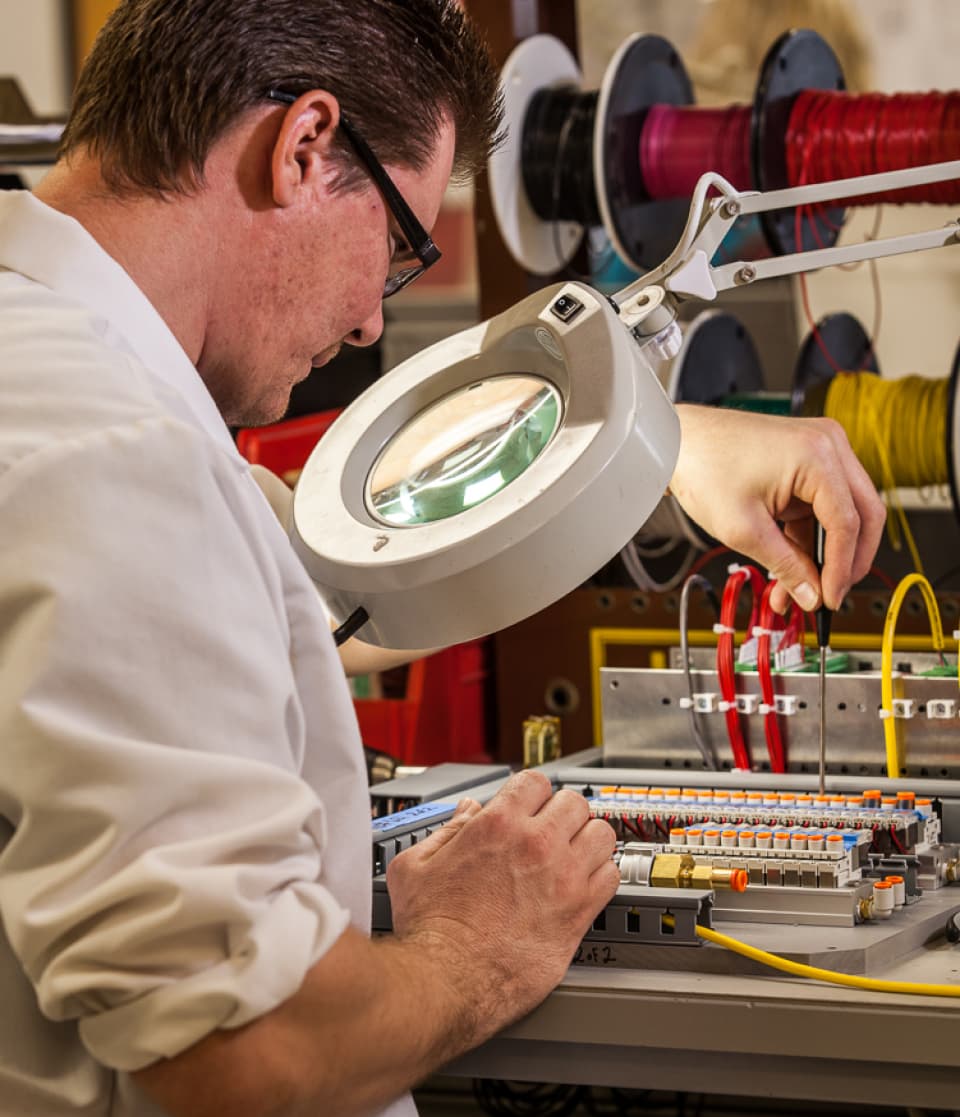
315,285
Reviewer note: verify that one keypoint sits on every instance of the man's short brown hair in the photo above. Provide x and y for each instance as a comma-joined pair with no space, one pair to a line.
167,78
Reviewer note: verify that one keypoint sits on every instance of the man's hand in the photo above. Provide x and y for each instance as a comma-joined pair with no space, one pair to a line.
488,912
506,892
740,476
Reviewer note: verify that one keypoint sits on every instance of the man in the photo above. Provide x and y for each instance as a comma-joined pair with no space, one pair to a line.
184,873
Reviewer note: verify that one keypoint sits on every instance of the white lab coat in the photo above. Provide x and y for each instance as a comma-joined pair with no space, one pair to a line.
184,826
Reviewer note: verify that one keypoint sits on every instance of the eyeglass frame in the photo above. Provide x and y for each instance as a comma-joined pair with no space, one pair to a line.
418,239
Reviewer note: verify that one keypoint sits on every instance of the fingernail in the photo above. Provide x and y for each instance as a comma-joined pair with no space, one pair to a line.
805,596
464,807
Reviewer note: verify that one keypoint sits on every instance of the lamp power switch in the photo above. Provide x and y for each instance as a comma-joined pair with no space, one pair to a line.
566,308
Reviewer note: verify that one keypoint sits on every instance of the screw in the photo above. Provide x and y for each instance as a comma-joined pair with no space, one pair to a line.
731,208
747,274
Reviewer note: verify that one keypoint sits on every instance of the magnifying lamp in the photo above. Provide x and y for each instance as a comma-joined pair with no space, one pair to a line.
487,476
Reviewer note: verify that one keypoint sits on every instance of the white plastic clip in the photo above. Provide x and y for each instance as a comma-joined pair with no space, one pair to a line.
724,630
785,704
705,702
747,703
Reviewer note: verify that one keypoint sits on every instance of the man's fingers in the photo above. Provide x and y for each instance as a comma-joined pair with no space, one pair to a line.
525,791
594,842
871,511
430,845
788,563
567,811
851,514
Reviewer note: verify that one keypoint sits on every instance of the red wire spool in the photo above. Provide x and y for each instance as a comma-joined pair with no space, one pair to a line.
678,145
830,135
834,135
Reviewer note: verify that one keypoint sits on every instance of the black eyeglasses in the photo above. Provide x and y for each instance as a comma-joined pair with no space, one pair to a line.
417,237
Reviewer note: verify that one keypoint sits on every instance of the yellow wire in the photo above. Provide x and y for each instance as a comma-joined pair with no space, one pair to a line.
798,969
894,757
897,429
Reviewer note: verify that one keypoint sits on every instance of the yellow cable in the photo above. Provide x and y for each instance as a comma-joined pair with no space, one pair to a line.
874,985
898,430
894,759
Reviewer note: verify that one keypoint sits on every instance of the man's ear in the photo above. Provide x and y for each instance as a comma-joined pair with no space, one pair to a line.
301,151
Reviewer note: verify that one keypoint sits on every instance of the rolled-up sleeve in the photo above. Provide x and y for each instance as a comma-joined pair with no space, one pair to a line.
164,876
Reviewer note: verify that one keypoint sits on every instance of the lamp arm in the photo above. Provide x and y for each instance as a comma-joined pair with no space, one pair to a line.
688,273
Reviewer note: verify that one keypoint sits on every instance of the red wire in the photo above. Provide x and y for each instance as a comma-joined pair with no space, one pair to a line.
814,114
706,558
679,144
833,135
726,673
884,577
829,135
771,726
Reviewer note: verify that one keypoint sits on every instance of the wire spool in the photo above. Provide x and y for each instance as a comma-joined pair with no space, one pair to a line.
839,341
834,136
718,360
905,431
569,160
645,72
745,144
540,244
798,61
557,155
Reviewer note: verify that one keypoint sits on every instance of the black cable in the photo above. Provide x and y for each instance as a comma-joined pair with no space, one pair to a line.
357,619
706,750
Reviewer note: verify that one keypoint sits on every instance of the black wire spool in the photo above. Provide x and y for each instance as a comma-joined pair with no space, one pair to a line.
580,158
557,155
850,347
718,362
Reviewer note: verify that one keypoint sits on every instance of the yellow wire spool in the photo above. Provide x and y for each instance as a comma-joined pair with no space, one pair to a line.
897,428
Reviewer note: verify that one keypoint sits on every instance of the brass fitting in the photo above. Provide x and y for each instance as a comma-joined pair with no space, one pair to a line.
680,870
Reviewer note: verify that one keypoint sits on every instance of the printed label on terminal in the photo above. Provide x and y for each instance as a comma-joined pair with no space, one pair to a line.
411,815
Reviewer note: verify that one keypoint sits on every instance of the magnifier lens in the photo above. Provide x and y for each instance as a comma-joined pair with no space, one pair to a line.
460,452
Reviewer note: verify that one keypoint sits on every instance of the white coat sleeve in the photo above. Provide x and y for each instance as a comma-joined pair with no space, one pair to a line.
164,877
